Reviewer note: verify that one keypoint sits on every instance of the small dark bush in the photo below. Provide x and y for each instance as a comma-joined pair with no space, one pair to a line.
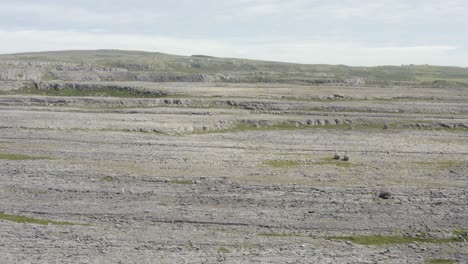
385,195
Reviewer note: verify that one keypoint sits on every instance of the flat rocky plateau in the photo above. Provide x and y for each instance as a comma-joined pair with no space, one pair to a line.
235,173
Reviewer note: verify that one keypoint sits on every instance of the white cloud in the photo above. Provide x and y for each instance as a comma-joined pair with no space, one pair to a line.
387,11
73,16
262,8
411,49
267,49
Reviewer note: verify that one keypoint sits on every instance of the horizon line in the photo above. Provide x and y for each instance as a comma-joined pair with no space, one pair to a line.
234,58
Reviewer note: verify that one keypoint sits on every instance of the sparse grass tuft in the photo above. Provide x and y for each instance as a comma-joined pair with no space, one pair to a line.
462,235
388,240
19,157
244,127
339,163
282,235
440,261
223,250
108,179
246,245
30,220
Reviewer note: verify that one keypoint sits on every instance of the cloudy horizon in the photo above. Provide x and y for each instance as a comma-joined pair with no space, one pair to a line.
379,32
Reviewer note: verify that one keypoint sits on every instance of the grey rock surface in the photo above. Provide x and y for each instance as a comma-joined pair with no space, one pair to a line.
210,172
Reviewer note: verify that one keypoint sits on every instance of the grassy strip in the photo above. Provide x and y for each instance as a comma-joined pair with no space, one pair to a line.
295,163
388,240
98,92
459,236
224,250
30,220
282,235
440,261
244,127
108,179
19,157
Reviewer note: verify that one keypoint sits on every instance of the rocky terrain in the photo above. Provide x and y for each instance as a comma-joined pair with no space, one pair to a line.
130,157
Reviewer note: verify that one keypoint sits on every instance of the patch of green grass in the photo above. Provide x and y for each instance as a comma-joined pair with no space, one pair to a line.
183,182
281,235
440,261
19,157
223,250
108,179
462,235
245,127
332,161
388,240
275,235
247,245
30,220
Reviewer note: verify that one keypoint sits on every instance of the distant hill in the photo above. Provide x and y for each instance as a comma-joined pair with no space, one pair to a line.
119,65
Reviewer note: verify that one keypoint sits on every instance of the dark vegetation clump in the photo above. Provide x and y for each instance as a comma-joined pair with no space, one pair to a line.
385,195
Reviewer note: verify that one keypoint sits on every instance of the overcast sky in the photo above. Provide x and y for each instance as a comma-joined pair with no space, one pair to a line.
352,32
